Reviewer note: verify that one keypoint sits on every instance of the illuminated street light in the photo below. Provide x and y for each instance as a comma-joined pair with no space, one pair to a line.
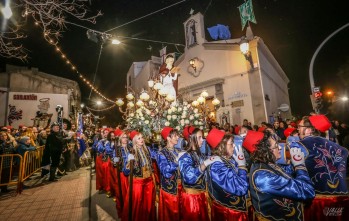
6,11
329,93
344,99
115,42
82,105
99,103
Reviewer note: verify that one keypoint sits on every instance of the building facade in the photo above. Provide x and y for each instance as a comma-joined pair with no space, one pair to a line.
248,89
30,97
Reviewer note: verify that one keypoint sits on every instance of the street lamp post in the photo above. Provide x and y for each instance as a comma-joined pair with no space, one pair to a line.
311,76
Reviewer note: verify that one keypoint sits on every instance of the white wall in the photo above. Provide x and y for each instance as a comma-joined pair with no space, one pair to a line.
30,107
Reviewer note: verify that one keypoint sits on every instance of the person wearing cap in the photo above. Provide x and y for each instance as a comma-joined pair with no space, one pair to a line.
53,150
24,145
327,165
143,194
102,163
170,178
227,179
192,166
276,194
110,152
121,151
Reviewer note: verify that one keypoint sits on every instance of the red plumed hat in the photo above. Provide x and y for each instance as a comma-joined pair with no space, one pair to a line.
214,137
133,134
187,131
320,122
288,131
252,138
165,132
117,132
261,129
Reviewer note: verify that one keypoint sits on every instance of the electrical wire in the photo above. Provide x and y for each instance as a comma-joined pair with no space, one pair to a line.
145,16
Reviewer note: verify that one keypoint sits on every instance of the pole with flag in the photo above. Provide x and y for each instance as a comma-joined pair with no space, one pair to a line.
246,13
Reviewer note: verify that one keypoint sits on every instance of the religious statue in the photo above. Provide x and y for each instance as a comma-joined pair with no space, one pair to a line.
168,76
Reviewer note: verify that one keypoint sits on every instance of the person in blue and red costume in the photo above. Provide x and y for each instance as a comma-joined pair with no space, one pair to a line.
227,179
143,194
121,152
276,194
192,165
326,163
101,179
105,149
170,179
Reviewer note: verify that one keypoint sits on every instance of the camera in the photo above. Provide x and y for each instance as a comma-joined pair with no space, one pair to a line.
59,108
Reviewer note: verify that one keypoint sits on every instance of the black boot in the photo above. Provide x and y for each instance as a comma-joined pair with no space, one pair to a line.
52,174
44,172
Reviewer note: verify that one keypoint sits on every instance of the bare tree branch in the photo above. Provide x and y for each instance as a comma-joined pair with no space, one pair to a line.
8,49
50,15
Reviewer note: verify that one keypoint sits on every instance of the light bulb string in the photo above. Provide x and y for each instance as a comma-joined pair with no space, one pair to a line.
99,110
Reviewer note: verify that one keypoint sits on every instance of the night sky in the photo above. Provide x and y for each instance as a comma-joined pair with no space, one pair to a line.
292,30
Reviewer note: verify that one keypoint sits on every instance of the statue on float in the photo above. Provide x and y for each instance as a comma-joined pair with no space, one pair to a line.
168,76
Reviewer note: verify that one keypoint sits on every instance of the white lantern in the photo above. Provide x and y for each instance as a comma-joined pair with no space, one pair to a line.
195,103
140,103
119,102
151,83
167,123
158,86
130,104
201,100
215,102
144,96
129,96
204,94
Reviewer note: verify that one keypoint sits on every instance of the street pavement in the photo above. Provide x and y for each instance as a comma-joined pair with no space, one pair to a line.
73,197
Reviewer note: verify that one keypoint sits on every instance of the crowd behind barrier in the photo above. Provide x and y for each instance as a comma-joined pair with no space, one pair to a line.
22,153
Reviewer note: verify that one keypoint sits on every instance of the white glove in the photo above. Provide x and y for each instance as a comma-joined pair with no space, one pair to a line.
240,157
116,159
211,160
297,156
130,157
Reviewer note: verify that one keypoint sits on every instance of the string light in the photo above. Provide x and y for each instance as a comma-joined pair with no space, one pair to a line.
87,82
73,67
105,109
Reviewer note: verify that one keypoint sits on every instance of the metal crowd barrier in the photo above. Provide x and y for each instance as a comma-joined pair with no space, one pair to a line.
32,162
11,167
15,169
